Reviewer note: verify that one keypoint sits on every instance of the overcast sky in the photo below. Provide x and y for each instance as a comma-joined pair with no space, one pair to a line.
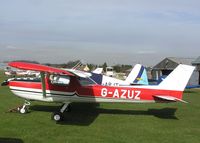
116,31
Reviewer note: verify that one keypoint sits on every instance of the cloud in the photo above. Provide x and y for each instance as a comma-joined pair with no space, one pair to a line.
98,31
11,47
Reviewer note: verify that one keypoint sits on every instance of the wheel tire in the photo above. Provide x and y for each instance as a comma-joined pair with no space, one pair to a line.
57,116
23,110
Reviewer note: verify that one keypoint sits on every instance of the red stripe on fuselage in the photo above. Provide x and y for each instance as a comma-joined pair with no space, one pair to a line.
132,93
35,85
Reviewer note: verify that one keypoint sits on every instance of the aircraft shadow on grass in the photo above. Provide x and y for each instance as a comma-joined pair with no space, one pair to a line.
84,114
10,140
190,91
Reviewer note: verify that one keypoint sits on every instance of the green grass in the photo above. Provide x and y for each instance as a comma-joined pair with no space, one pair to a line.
96,123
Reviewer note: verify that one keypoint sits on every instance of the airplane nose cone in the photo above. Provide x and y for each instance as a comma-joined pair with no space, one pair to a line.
4,83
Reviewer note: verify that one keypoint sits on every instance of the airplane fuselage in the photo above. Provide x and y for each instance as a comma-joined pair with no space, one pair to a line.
78,91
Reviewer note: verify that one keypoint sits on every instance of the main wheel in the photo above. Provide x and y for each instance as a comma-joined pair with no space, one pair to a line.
57,116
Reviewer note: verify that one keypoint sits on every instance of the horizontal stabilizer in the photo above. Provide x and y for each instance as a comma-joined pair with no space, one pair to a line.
169,98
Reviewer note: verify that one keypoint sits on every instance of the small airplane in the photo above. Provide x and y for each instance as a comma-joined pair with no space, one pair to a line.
137,76
21,73
10,73
56,85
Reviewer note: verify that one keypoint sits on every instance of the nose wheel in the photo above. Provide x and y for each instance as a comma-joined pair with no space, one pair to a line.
58,116
24,109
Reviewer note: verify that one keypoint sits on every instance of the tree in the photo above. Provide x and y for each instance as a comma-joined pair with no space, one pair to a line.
92,66
117,68
121,68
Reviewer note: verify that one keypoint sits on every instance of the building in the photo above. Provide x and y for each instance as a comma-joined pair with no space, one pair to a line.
167,65
197,64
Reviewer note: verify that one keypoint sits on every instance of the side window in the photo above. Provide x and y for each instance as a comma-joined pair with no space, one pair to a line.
59,79
86,81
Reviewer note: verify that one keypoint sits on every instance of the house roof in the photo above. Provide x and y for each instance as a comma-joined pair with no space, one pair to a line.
171,63
178,60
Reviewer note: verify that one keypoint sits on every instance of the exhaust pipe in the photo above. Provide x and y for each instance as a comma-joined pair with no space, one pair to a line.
5,83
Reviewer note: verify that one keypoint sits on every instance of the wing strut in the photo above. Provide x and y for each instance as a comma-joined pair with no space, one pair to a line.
43,84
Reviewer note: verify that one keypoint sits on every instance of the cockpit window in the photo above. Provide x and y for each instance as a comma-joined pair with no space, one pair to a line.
86,81
59,79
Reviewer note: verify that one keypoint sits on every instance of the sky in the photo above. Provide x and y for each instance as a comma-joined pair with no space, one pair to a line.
98,31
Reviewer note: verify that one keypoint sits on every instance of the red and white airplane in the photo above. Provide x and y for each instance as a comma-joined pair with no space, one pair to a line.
56,85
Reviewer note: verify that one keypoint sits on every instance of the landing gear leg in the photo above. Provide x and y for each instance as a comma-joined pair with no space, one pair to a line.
58,116
24,109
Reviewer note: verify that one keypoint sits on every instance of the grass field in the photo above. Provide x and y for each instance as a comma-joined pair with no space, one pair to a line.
96,123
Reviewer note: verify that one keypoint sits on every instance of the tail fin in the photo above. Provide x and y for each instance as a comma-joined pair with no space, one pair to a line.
138,75
178,78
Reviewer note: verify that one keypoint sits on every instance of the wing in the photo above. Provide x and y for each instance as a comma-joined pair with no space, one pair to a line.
169,98
80,73
38,67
